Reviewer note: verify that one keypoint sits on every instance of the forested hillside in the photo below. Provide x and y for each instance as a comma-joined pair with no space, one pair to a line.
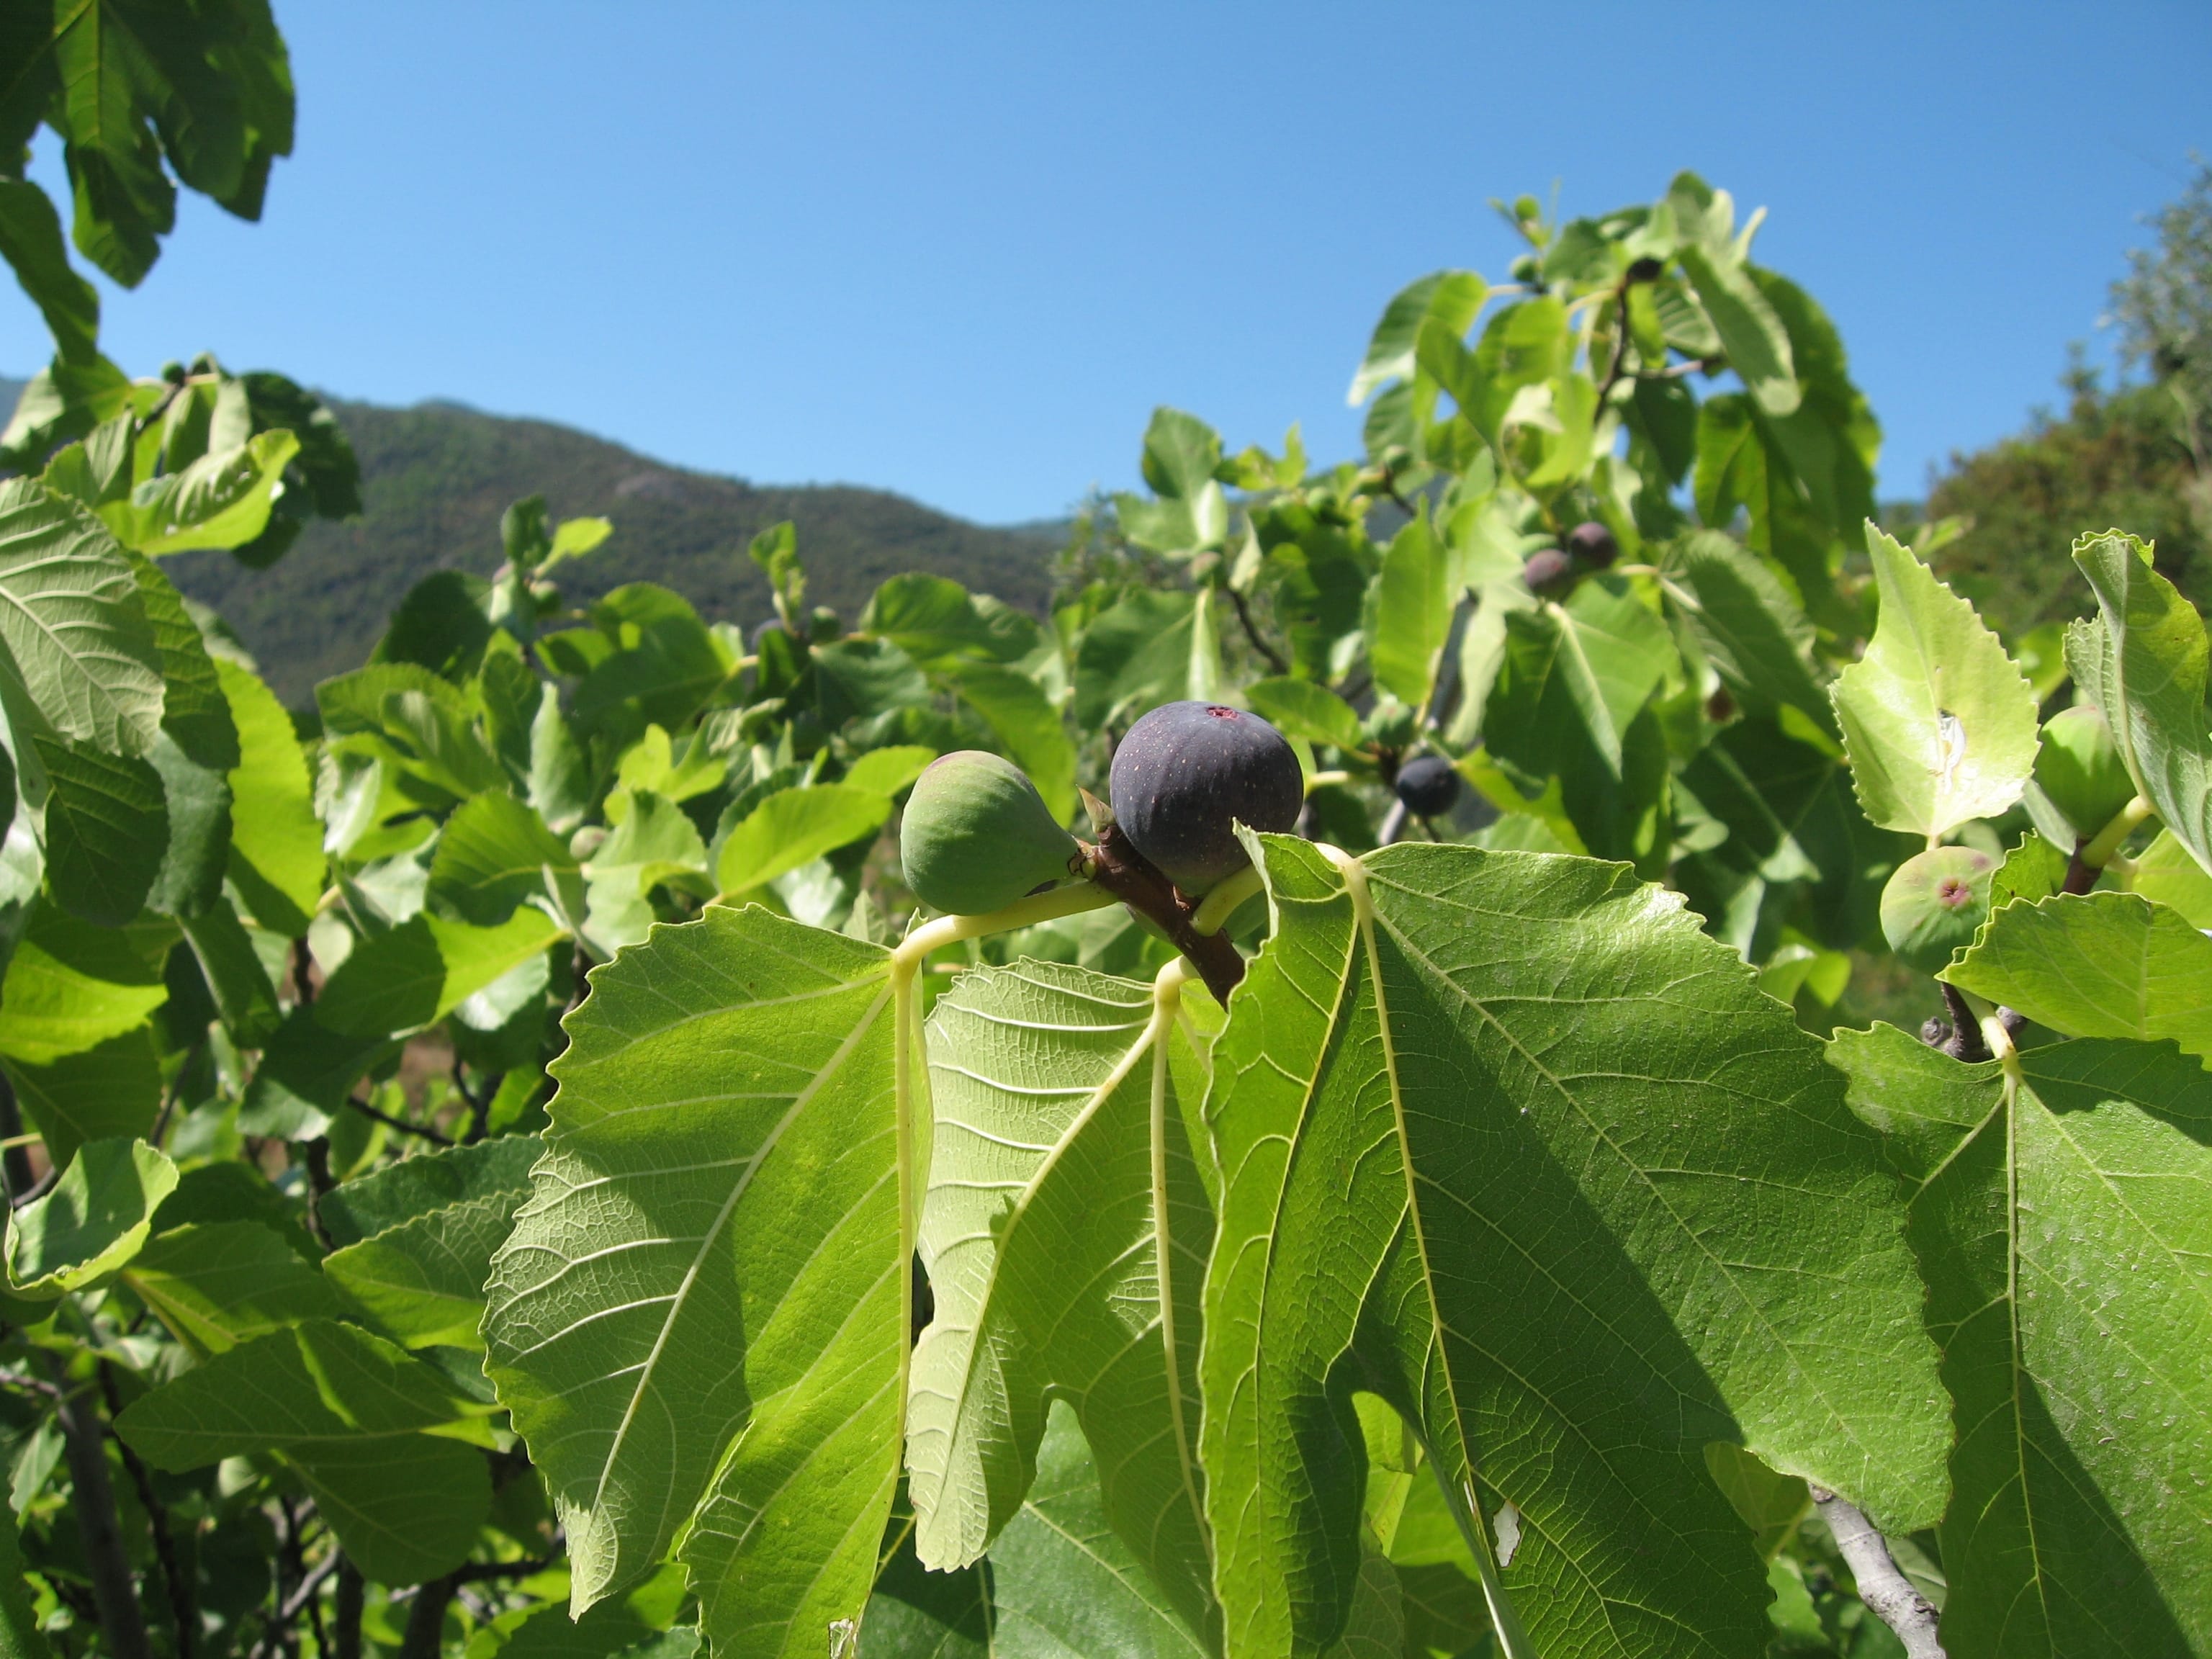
435,478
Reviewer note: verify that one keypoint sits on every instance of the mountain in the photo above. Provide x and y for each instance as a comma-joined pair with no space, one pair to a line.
436,477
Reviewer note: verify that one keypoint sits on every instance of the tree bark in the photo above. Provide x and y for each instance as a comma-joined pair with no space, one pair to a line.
114,1591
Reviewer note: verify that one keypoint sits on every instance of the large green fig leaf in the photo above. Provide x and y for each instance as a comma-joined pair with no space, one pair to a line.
107,826
2096,965
377,1434
2146,669
1939,723
496,853
1065,1234
1505,1139
1151,647
1028,727
2063,1213
73,623
704,1306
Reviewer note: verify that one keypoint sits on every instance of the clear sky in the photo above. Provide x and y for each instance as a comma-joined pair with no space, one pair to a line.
960,250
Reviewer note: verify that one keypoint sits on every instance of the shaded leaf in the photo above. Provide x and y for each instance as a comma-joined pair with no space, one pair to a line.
1514,1132
721,1169
2061,1215
91,1222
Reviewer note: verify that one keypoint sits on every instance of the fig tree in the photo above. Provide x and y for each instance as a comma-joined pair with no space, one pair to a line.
1592,546
1549,573
1428,786
977,835
2080,768
1934,902
1186,774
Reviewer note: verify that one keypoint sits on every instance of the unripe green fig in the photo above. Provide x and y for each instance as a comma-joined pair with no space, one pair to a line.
2079,768
1391,724
977,835
1934,903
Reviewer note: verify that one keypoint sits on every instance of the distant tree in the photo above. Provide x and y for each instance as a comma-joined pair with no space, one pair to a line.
2133,455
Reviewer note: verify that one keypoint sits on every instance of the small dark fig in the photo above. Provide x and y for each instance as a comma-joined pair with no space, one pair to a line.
1549,573
1592,545
2080,768
1720,707
1428,786
1934,903
1646,269
977,835
1186,774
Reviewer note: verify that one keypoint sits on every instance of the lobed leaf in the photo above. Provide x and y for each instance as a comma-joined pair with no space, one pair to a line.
2096,965
1505,1139
703,1306
1939,725
2063,1213
1065,1233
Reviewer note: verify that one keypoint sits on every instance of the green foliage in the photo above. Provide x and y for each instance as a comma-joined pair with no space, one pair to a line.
519,1135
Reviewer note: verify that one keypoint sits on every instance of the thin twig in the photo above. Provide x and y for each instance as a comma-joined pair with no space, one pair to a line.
1889,1594
178,1583
319,1183
399,1123
1274,658
1394,824
305,1592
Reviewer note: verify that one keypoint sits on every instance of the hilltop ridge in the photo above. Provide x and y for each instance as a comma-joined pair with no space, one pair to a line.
436,476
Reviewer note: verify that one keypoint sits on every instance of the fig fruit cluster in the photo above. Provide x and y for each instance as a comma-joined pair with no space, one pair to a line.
977,835
2079,768
1933,904
1186,774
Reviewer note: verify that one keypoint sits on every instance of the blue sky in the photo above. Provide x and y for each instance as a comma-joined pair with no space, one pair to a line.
961,251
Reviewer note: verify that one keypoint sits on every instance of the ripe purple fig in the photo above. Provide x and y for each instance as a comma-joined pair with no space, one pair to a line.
1428,786
1549,573
1186,774
1592,545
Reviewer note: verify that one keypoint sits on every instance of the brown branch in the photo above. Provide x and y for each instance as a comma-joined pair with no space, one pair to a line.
114,1592
1966,1040
1125,873
173,1576
346,1639
426,1619
319,1183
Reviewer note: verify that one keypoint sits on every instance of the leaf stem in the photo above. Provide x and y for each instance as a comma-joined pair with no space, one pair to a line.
1214,910
2092,855
1071,900
1889,1594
